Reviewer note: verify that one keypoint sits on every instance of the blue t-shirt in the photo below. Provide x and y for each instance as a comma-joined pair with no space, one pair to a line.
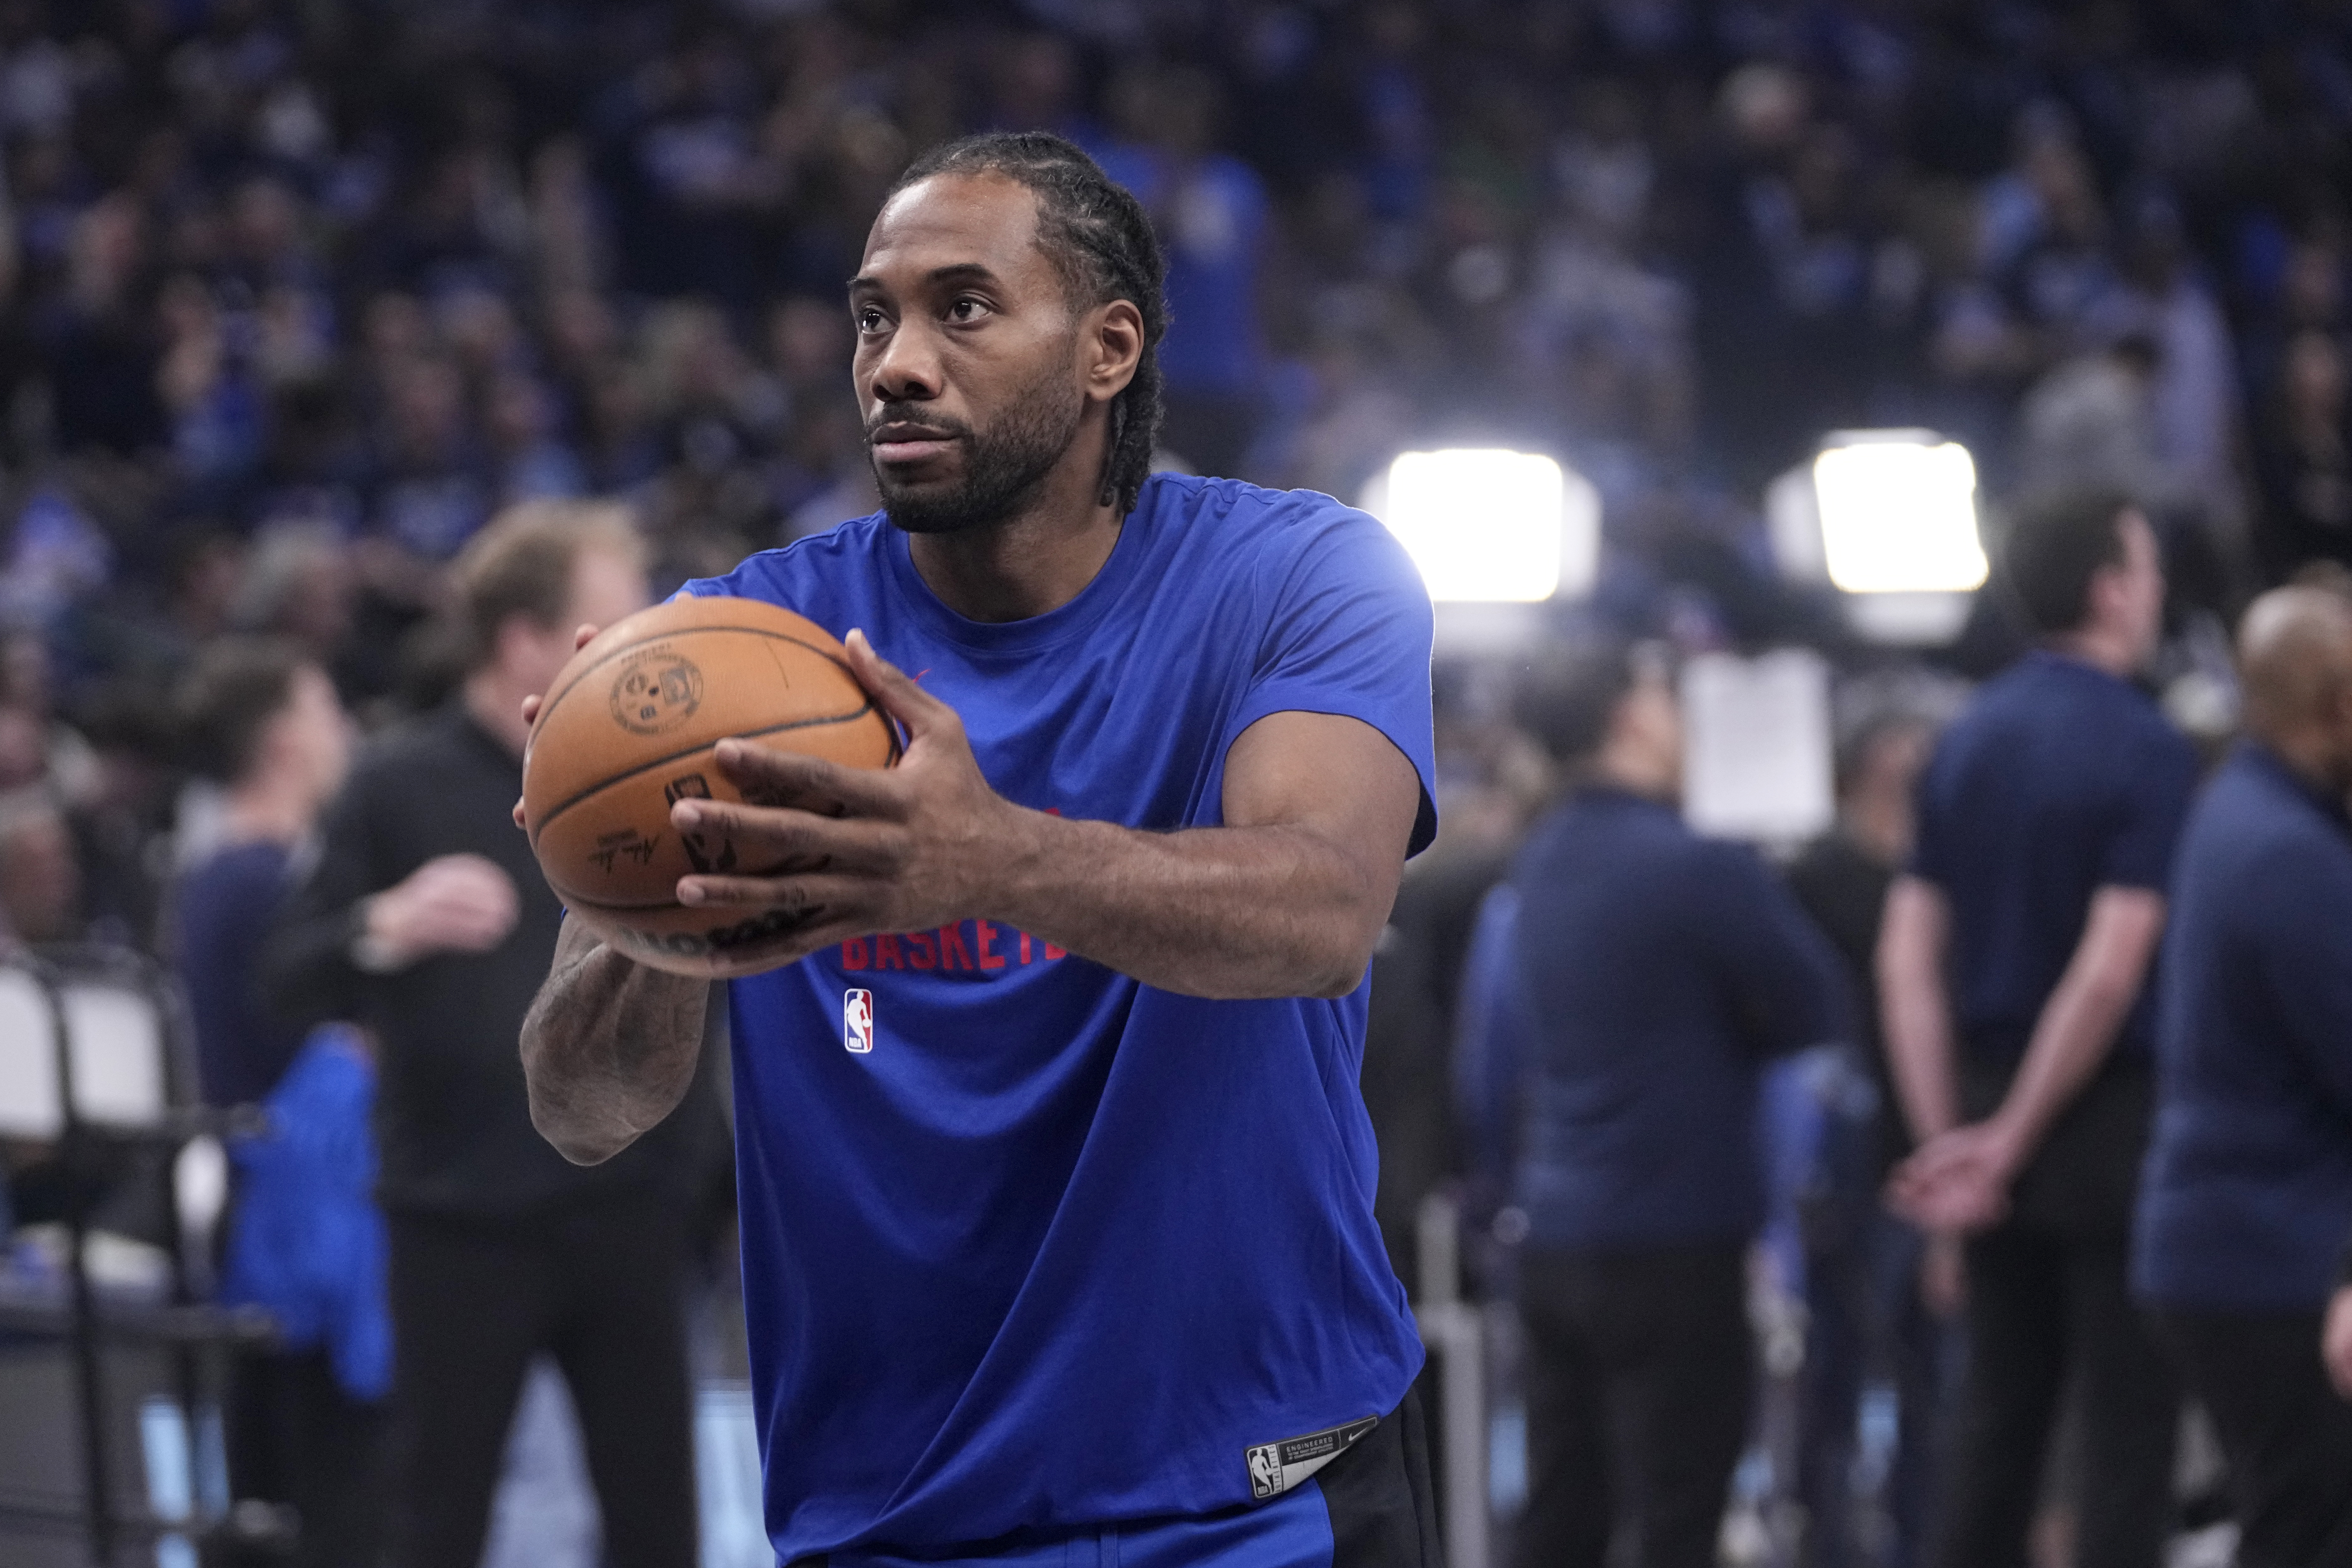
222,911
1648,974
2246,1201
1059,1248
2058,780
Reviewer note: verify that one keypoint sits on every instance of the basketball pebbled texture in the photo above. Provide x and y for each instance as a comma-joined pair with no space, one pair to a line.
627,729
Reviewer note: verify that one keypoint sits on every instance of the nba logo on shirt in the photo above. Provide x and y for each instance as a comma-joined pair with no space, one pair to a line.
858,1021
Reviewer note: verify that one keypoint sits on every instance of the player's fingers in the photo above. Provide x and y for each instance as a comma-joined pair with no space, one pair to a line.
530,709
582,635
787,779
783,835
904,701
814,894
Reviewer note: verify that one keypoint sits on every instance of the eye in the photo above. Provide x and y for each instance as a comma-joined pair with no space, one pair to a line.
967,309
869,319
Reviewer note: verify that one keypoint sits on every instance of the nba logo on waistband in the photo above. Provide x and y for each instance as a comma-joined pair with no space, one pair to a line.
858,1021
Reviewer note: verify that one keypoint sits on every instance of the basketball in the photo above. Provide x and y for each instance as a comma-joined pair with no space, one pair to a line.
626,730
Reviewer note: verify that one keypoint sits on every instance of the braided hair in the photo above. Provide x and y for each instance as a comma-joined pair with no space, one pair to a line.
1100,240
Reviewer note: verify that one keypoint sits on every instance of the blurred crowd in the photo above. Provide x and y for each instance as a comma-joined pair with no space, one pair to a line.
294,296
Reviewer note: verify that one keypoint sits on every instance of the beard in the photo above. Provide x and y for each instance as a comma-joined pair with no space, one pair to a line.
1004,466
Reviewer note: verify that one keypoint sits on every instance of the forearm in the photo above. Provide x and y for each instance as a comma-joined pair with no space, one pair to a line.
1916,1017
2072,1038
1920,1059
609,1047
2079,1023
1228,912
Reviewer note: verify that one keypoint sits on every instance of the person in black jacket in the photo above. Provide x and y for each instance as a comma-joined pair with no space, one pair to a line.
427,919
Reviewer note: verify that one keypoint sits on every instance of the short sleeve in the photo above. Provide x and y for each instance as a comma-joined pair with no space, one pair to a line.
1347,631
1931,846
2154,807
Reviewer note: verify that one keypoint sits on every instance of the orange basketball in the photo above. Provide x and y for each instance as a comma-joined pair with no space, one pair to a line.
627,730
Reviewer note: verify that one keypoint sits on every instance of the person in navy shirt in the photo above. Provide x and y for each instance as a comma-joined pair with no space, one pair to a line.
2011,966
1056,1183
2247,1198
262,720
1631,980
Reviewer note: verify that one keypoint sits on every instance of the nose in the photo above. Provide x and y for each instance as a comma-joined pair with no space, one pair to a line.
905,367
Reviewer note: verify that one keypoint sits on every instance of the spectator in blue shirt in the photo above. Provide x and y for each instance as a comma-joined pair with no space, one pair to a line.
2011,966
1650,973
263,721
2247,1197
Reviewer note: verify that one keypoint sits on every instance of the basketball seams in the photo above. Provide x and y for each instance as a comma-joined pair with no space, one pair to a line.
555,699
818,723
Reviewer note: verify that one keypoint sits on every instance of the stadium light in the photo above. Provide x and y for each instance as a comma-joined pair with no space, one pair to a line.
1489,526
1899,514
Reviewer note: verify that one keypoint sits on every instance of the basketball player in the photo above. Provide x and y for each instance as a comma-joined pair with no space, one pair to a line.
1056,1183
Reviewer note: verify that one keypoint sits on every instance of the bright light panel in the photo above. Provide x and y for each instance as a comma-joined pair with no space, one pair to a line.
1899,516
1484,526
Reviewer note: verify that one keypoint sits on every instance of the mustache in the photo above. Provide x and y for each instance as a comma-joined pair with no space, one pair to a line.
914,414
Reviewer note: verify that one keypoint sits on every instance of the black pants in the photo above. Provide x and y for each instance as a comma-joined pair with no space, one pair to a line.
2042,1306
1639,1380
600,1287
1383,1511
294,1436
2048,1301
2287,1436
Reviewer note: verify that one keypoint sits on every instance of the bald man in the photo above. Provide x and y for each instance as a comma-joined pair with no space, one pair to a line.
2246,1202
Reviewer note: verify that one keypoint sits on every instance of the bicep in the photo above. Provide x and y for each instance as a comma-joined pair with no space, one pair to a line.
1335,777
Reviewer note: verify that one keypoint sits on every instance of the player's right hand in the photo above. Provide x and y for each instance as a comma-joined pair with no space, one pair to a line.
580,637
452,903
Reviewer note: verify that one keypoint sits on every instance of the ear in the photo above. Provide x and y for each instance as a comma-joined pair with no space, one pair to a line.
1114,348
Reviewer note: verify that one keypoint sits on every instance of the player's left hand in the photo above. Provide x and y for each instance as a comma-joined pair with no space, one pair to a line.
1958,1181
861,849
